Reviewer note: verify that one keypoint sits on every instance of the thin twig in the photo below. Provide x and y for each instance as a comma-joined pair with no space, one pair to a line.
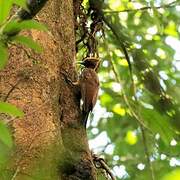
15,174
28,54
11,90
142,125
100,163
147,153
123,47
125,97
169,5
137,117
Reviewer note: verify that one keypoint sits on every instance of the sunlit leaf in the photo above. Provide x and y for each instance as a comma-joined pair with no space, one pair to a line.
105,99
171,29
15,26
5,6
32,24
3,55
123,62
131,138
116,5
119,110
10,109
174,175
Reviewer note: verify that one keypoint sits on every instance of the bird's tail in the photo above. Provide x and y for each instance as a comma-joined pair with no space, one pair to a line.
85,118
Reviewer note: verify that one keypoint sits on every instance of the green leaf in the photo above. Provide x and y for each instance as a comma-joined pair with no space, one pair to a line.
10,109
28,42
22,3
15,26
32,24
159,124
3,55
173,175
11,27
5,135
5,6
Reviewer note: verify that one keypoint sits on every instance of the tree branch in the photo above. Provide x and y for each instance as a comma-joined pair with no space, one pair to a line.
123,47
103,165
169,5
34,7
134,114
147,152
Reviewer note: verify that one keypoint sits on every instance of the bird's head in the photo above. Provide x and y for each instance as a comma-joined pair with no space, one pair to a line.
91,62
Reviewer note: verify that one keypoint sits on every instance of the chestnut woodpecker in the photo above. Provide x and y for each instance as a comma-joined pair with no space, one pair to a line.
89,86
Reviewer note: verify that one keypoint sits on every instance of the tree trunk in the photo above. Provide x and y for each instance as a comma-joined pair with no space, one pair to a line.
50,142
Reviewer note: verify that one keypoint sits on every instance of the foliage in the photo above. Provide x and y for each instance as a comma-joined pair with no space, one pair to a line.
9,28
148,31
138,113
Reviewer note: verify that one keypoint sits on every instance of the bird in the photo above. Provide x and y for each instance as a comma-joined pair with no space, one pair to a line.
89,86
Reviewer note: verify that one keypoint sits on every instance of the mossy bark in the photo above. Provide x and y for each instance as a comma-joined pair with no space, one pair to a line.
50,142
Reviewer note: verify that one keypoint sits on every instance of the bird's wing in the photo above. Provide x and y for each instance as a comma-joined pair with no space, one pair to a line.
87,96
89,89
96,87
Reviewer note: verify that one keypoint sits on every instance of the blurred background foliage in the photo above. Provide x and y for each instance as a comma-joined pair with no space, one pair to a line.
136,125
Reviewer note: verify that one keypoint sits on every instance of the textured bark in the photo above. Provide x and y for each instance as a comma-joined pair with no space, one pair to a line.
50,141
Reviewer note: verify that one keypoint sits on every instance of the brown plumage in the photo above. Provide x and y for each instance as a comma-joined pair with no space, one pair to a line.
89,86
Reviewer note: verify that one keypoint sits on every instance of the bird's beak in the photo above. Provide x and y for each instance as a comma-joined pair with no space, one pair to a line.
80,62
